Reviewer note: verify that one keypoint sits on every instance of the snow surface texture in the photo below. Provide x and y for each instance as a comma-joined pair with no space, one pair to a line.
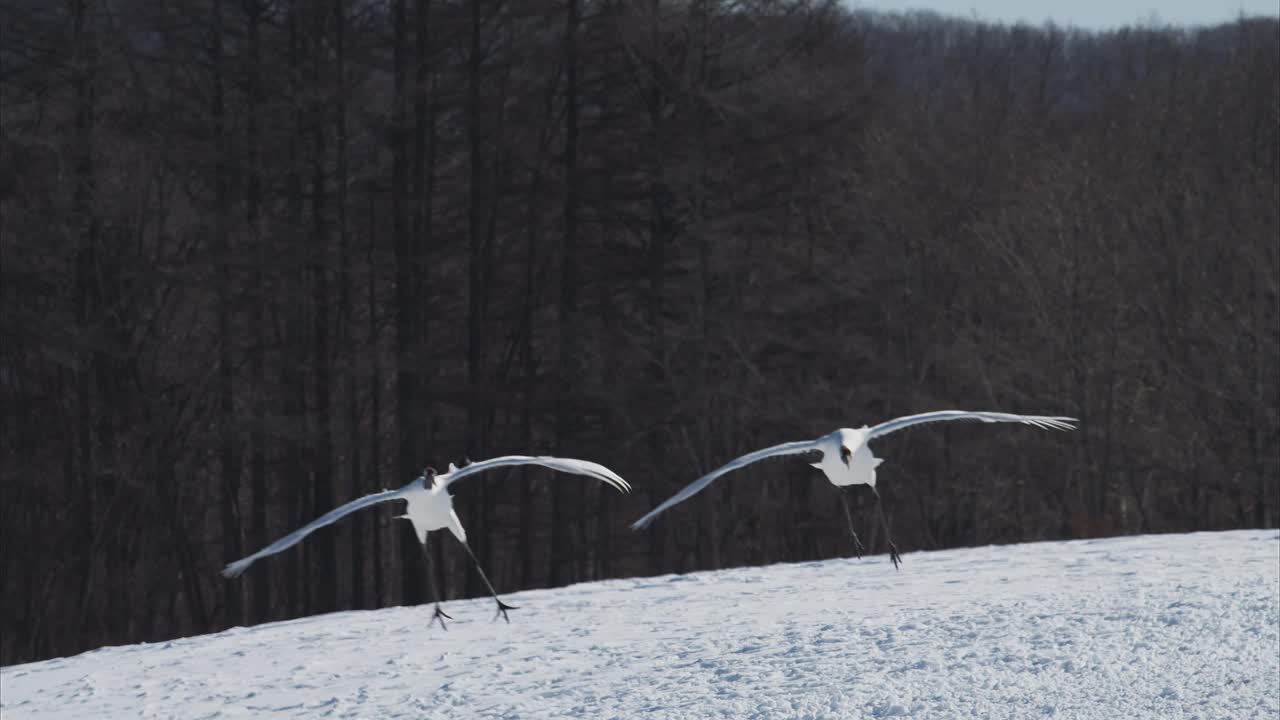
1172,626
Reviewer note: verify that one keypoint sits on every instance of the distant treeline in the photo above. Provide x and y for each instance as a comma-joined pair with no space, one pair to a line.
260,257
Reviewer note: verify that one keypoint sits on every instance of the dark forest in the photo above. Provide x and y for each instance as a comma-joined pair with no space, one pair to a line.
260,257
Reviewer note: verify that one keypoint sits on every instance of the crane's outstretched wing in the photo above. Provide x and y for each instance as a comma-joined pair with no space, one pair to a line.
802,447
1040,421
295,537
566,465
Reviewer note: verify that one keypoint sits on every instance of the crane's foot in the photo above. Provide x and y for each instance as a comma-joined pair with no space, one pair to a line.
858,549
502,610
440,615
894,556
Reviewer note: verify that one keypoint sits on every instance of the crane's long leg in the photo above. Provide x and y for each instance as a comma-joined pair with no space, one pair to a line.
431,587
893,549
502,607
844,500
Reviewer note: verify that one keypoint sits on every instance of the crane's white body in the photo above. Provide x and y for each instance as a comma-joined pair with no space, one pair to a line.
846,455
430,508
861,468
428,503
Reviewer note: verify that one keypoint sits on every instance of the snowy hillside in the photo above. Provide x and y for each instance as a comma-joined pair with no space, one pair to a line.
1175,626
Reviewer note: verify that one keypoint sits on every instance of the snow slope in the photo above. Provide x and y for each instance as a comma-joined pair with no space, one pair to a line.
1172,626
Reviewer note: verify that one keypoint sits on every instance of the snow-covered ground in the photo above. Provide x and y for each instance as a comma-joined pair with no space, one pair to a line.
1160,626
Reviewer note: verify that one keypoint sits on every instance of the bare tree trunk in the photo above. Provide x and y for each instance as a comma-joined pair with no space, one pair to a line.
660,232
233,612
87,231
292,378
407,301
354,367
529,378
476,202
709,530
325,560
260,575
567,362
424,161
528,373
375,411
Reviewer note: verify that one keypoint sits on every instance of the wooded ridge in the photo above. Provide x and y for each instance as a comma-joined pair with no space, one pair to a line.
258,258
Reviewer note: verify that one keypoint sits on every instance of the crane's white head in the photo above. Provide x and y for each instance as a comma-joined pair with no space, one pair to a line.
850,441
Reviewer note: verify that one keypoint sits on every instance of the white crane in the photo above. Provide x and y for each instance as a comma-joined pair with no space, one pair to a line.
430,507
846,459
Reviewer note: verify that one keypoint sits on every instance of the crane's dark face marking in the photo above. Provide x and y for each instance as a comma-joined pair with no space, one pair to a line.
428,472
845,454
